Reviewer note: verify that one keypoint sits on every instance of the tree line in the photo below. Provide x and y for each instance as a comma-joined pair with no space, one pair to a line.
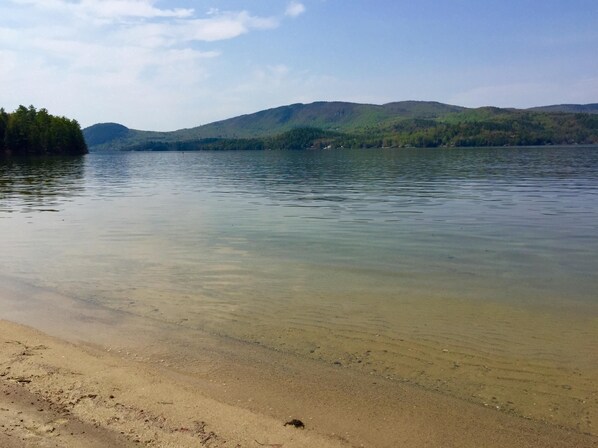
28,131
299,138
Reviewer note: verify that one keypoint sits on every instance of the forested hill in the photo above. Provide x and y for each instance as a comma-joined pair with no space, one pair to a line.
569,108
28,131
336,124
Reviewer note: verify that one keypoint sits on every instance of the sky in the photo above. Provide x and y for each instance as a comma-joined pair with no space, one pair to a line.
172,64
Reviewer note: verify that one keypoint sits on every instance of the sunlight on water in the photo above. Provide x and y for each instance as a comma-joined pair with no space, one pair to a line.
470,271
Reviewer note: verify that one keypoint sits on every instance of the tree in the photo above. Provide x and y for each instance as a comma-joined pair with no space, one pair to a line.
28,131
3,124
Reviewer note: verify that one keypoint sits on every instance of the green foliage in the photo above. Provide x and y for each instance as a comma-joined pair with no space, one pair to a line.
28,131
302,138
206,144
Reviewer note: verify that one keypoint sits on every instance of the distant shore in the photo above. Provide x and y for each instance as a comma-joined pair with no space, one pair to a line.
327,125
118,380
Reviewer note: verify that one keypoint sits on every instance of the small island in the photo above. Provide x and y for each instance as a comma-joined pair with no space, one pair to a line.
28,131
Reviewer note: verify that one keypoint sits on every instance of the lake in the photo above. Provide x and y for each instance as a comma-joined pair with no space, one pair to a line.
467,271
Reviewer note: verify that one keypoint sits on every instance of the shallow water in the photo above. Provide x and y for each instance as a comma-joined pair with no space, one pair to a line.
469,271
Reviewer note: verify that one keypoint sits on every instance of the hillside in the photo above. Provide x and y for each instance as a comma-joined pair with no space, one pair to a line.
328,116
569,108
406,123
105,133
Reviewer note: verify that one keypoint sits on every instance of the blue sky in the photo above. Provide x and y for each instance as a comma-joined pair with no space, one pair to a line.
170,64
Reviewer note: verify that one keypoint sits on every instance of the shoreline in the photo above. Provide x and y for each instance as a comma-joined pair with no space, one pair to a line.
242,392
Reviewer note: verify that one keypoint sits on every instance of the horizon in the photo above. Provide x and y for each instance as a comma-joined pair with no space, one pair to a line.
174,64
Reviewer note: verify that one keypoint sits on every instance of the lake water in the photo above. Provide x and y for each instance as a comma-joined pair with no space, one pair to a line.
468,271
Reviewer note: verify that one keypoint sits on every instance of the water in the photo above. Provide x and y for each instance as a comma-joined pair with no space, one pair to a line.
470,271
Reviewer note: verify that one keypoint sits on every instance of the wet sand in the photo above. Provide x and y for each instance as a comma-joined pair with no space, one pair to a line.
60,394
116,379
533,360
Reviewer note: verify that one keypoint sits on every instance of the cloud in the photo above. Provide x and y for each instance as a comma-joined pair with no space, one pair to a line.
224,26
116,60
217,25
108,9
128,8
295,9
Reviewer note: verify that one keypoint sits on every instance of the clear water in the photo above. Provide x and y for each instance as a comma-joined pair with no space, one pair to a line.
390,261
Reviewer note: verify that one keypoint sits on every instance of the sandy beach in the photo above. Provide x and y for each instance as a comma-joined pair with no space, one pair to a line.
58,394
95,377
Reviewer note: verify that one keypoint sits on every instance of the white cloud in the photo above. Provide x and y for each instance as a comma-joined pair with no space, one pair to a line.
295,9
108,9
130,8
224,26
116,60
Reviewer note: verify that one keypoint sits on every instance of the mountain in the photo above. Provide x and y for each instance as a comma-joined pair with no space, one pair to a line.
101,133
569,108
405,123
338,116
332,116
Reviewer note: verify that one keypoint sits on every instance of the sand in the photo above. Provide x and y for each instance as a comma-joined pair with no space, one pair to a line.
94,377
59,394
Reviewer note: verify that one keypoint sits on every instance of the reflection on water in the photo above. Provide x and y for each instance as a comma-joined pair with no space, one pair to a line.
39,184
468,271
